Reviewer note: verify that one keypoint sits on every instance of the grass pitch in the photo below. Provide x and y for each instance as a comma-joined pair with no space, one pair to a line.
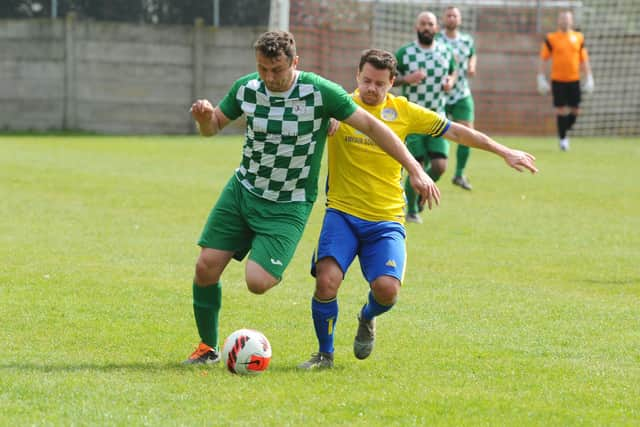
521,304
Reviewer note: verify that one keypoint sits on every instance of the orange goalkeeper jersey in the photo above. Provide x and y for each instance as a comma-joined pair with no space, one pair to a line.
567,51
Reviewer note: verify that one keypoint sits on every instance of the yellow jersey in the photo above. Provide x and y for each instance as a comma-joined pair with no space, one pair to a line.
363,180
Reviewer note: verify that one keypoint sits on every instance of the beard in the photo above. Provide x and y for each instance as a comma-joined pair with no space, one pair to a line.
425,38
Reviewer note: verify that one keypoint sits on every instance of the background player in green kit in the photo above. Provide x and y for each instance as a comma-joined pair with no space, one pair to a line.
264,207
460,107
426,71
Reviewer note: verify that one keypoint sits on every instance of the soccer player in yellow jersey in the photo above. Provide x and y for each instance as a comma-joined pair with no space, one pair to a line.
565,48
365,204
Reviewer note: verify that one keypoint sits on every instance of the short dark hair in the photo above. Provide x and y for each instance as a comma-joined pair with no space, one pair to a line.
272,44
380,59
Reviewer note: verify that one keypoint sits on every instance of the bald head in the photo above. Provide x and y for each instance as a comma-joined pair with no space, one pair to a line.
565,20
426,16
426,28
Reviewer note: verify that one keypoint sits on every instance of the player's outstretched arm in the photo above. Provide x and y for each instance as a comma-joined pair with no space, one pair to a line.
519,160
391,143
208,119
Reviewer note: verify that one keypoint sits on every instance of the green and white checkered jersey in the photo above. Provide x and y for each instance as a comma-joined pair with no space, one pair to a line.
285,133
437,62
463,48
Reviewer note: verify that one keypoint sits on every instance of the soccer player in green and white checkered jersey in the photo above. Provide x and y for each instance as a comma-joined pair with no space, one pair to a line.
264,207
460,106
427,71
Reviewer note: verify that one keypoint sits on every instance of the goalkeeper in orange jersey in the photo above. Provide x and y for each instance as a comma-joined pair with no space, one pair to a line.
565,48
365,203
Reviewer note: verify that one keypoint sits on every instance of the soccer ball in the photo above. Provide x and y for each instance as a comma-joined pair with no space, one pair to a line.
246,351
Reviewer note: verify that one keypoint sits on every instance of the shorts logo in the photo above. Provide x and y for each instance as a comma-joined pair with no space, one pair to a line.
391,263
276,261
389,114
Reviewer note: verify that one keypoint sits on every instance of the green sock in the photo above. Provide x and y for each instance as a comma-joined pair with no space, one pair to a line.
206,307
462,156
412,199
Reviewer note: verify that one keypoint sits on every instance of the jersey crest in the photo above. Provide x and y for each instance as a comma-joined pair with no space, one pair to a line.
389,114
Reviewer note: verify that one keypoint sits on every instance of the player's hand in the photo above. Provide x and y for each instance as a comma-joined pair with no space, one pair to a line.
587,85
415,77
520,160
543,85
426,188
202,111
333,126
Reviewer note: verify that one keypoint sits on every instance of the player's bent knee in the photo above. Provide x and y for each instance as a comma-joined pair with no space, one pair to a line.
387,297
438,167
386,289
258,279
328,278
259,287
326,289
205,275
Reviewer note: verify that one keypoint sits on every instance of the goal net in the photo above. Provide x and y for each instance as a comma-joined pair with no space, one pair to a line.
508,34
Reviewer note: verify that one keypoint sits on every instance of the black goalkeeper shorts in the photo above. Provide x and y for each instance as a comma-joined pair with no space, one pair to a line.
566,94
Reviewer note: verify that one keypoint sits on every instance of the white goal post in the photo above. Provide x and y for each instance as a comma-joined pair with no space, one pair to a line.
279,15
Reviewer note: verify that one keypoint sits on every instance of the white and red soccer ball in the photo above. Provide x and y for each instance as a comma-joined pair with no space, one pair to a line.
246,352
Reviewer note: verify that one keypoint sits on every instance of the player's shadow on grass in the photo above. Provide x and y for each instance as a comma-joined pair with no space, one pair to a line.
95,367
151,367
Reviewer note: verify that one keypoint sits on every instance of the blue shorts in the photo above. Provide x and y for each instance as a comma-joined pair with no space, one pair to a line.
380,245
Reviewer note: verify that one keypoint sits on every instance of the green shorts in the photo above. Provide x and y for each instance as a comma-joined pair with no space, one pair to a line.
241,222
462,110
423,147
